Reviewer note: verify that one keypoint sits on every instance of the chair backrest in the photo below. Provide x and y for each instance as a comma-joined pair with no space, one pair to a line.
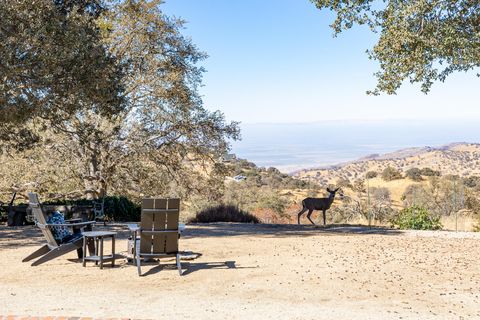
99,209
159,226
41,219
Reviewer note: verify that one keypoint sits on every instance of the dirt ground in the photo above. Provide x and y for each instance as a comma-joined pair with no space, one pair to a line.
257,272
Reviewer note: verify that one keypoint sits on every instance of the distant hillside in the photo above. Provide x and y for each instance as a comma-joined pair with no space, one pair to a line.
461,159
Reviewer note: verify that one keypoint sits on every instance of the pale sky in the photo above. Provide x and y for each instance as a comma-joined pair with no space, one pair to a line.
275,61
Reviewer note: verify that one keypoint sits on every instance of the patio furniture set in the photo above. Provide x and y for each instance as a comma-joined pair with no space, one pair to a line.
156,236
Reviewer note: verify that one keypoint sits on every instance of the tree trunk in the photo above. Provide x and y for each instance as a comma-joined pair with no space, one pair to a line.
95,186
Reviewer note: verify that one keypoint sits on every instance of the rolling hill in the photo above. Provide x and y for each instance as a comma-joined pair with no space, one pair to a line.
462,159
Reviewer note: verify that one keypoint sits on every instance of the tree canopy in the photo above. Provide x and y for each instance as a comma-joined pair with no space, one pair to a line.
53,62
419,40
158,140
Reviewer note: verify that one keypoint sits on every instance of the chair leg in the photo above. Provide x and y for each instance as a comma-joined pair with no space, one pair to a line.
179,266
60,251
138,261
55,253
37,253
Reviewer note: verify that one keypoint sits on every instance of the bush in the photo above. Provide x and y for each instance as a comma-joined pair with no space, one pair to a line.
224,213
343,183
428,172
471,181
116,208
273,201
476,228
120,208
417,218
371,174
390,174
415,174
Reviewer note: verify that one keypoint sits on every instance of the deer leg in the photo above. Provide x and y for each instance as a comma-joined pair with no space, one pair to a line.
324,217
308,216
300,214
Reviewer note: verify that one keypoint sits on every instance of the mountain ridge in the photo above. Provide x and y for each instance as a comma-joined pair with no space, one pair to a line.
459,158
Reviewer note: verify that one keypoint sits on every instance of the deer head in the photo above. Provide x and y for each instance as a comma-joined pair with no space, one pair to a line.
333,192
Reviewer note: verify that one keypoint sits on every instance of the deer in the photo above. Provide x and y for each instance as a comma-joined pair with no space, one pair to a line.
323,204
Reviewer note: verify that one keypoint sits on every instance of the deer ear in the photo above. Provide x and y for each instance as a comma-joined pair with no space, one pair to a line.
336,189
328,189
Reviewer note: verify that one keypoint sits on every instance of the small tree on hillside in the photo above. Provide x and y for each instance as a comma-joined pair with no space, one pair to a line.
414,173
429,172
371,174
390,174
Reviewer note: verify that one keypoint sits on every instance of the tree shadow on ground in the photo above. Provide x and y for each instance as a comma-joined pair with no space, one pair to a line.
281,230
12,237
26,236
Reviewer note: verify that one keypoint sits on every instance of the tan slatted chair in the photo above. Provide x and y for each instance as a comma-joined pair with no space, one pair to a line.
158,231
52,249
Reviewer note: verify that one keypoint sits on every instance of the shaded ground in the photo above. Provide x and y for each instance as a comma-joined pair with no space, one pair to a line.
258,272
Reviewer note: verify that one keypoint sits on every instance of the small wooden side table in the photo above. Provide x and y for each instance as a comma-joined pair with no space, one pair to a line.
97,237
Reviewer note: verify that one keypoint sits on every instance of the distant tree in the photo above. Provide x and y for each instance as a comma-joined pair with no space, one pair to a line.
381,204
428,172
471,181
371,174
441,196
389,174
343,183
419,40
416,194
414,173
452,177
472,202
272,200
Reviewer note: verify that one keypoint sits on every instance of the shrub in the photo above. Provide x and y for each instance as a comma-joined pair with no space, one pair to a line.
120,208
116,208
344,183
415,174
428,172
476,228
471,181
417,218
224,213
273,201
390,174
371,174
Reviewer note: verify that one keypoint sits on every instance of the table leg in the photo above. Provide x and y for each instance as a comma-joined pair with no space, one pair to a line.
91,246
79,253
84,249
101,252
134,246
96,249
113,251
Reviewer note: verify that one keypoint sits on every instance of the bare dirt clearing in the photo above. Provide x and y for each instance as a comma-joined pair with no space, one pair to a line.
258,272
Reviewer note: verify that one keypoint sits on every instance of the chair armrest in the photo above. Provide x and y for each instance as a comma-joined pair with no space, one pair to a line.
76,225
75,220
133,227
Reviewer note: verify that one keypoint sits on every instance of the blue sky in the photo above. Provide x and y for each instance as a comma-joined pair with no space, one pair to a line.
275,61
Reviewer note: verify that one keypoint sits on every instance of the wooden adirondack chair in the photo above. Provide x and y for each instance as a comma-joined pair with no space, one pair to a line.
52,249
158,231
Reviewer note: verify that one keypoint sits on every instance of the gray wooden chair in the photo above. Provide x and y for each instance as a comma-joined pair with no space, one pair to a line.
52,249
158,232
